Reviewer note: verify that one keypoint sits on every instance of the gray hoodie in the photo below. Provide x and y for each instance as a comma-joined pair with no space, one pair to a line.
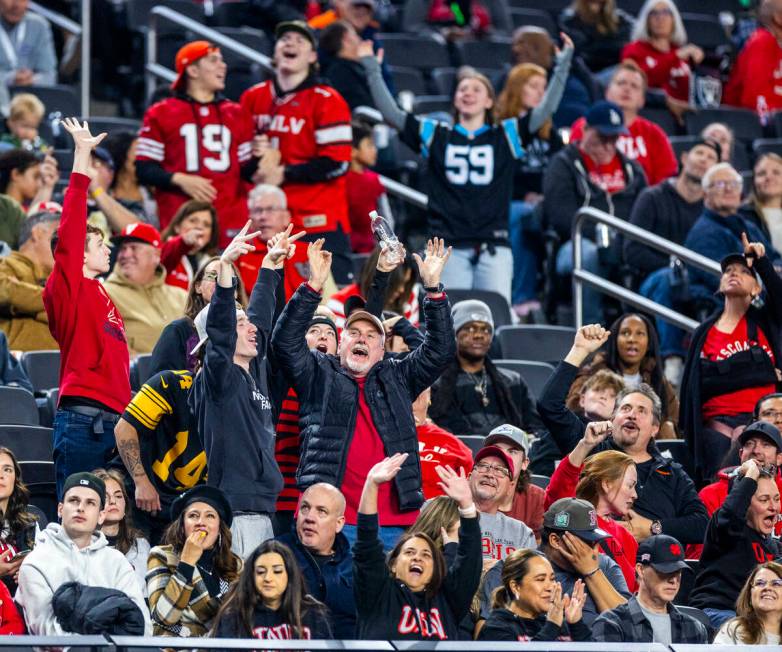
56,560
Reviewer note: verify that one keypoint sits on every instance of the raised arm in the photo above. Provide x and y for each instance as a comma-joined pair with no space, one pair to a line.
385,103
556,86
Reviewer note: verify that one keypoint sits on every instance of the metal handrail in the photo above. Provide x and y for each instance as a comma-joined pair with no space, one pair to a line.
83,31
581,276
154,69
405,193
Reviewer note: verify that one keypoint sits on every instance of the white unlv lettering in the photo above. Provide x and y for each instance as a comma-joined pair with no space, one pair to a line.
431,625
281,124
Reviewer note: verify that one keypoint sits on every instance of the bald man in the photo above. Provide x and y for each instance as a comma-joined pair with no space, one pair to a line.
323,553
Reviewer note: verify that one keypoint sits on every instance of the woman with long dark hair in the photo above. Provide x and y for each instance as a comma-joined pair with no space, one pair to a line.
529,606
632,350
20,522
174,346
270,600
412,595
189,575
758,618
125,187
118,526
20,175
188,241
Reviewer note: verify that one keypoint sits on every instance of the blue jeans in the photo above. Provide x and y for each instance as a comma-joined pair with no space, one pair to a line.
657,287
525,258
590,261
389,535
719,616
77,447
467,271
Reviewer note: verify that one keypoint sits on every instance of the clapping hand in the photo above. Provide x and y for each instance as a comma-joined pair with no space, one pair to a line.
455,485
431,267
281,247
752,250
320,264
240,245
574,603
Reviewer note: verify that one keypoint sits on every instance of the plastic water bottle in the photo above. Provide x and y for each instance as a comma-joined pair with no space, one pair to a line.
385,236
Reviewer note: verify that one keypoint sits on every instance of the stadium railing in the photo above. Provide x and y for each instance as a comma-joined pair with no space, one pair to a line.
583,277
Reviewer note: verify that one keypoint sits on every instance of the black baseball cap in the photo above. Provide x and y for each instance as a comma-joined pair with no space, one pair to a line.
741,259
88,480
296,26
607,118
212,496
576,516
322,319
663,553
762,429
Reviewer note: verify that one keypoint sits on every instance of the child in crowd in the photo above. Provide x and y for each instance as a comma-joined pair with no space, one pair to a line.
25,114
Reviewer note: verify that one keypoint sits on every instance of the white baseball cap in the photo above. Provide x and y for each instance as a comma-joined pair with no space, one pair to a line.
200,325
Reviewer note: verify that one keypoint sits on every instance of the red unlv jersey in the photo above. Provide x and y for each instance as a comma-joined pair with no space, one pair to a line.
309,123
211,140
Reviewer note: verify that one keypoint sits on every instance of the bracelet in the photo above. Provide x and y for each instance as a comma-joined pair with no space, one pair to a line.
590,573
97,192
469,512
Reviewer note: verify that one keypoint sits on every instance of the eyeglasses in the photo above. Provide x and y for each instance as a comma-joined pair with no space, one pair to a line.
723,186
762,584
483,331
771,414
210,276
491,469
260,210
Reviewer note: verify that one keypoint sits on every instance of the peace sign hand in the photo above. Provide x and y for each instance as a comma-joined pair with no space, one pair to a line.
240,245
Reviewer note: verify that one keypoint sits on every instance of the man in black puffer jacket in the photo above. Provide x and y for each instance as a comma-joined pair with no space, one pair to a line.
355,409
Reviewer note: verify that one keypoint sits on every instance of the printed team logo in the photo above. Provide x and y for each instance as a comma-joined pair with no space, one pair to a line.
708,92
561,520
676,550
592,518
428,624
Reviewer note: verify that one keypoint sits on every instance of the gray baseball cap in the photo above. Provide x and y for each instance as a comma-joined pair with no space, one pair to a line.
507,432
574,515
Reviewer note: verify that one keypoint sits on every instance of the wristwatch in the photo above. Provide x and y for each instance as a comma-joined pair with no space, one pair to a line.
656,527
437,289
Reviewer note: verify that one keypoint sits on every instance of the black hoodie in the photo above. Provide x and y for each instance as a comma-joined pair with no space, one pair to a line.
388,610
504,625
268,624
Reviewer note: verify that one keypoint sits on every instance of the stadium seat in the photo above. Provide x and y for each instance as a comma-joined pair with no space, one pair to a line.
18,406
485,54
676,450
554,7
409,79
663,118
474,442
64,162
688,582
43,368
500,311
537,343
254,39
743,122
110,125
705,31
632,7
57,99
426,104
29,443
39,478
533,17
535,374
232,14
766,145
139,10
444,80
139,371
696,613
541,481
422,52
715,6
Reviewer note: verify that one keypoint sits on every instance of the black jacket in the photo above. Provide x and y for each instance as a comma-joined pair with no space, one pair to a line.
504,625
388,610
172,350
268,624
598,50
567,188
328,395
668,494
731,550
96,610
768,319
331,583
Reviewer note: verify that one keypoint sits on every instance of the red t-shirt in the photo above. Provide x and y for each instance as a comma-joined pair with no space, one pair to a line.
663,70
721,346
756,79
438,447
366,450
296,268
609,176
363,189
647,144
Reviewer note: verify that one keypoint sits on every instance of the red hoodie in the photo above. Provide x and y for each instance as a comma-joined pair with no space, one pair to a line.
713,495
94,360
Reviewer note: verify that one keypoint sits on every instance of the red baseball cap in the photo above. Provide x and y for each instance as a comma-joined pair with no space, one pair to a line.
495,451
139,232
189,54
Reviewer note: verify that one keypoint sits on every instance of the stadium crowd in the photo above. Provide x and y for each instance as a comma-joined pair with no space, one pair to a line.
273,422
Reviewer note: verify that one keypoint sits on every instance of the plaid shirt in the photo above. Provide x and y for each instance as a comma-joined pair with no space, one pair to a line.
628,624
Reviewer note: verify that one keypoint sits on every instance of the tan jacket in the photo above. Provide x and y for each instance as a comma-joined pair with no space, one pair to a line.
22,315
146,310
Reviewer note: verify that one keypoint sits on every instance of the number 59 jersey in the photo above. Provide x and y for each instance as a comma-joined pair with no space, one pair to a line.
211,140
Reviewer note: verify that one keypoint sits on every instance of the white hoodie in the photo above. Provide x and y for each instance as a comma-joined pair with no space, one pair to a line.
56,560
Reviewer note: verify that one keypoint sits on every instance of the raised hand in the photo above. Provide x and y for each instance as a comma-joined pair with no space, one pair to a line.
556,610
574,604
390,259
50,172
567,43
431,267
750,469
195,238
596,432
590,338
386,470
240,245
455,485
367,49
82,138
320,264
281,246
752,249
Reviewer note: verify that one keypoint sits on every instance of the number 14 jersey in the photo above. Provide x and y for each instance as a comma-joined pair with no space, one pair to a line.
212,140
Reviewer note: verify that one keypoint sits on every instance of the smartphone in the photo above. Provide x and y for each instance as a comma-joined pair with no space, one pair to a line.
19,555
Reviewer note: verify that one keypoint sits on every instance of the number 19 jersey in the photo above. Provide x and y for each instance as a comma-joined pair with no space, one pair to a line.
212,140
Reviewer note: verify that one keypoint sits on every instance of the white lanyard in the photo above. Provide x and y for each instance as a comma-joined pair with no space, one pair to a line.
5,42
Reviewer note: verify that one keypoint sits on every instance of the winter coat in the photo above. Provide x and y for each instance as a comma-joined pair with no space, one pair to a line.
56,560
96,610
328,395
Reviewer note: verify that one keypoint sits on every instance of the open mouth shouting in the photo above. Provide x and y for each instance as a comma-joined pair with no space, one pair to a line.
322,347
360,351
416,570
